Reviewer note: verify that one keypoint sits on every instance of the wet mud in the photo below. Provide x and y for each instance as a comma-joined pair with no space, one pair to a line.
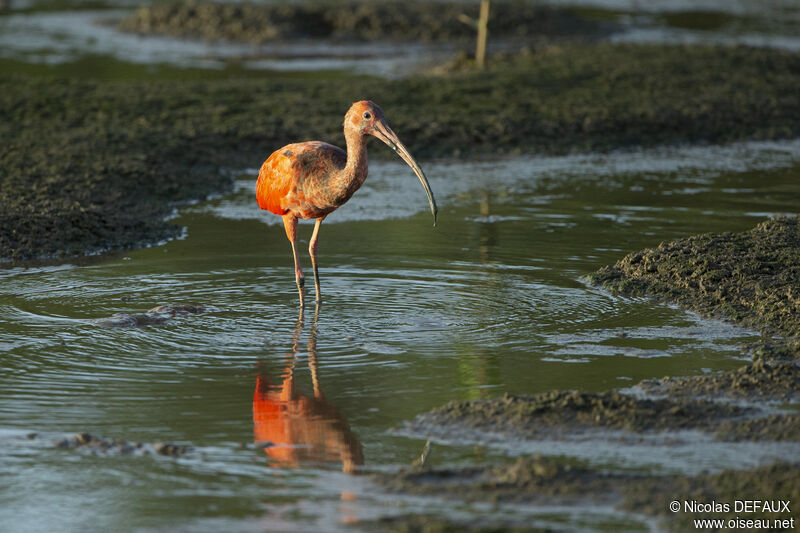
435,524
156,316
358,21
566,414
751,278
559,412
768,380
546,481
90,166
774,483
772,427
526,478
531,480
97,445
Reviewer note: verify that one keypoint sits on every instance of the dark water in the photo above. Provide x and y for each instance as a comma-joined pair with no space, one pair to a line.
491,301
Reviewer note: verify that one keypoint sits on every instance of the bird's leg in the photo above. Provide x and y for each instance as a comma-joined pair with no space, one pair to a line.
290,224
312,250
312,355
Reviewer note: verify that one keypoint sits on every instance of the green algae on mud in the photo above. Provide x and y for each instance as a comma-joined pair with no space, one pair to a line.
88,166
400,21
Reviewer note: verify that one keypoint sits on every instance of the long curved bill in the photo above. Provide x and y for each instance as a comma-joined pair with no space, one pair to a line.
383,132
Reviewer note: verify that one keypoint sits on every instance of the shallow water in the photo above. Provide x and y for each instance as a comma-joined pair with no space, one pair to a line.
78,37
90,37
491,301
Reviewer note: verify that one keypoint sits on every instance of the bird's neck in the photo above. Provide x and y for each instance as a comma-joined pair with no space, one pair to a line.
356,154
352,176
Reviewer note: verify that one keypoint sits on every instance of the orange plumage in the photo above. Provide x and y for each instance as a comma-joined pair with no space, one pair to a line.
312,179
303,179
274,181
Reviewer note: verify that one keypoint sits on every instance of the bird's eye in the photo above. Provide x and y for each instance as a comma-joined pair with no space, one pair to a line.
367,115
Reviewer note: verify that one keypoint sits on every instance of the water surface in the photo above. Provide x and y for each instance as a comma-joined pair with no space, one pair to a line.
489,302
70,37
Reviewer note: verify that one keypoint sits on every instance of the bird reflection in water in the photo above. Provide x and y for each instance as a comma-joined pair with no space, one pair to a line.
296,428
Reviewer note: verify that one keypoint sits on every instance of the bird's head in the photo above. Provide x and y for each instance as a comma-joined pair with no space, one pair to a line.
363,117
367,118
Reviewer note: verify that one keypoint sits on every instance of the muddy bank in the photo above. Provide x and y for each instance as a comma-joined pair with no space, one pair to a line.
88,166
772,427
537,480
358,21
541,480
775,483
524,479
752,278
763,379
435,524
562,414
544,414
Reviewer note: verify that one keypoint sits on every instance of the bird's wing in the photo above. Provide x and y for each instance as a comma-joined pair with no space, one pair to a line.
283,175
275,181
